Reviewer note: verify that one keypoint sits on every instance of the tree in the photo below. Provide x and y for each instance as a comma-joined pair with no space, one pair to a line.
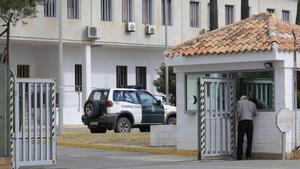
298,13
18,9
160,83
213,7
244,9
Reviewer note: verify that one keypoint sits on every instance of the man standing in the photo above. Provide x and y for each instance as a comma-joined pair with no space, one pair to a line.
246,110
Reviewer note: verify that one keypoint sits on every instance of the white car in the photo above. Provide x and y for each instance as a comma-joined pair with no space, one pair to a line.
122,109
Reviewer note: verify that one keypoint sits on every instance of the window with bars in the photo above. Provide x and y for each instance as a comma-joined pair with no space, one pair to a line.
127,10
23,71
73,9
106,10
229,14
141,76
50,8
270,10
286,15
147,12
169,10
121,76
78,77
194,14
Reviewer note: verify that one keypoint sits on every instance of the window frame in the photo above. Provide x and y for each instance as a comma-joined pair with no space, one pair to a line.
73,9
228,20
147,12
127,10
78,77
23,71
286,12
50,5
169,13
123,79
195,15
138,71
106,14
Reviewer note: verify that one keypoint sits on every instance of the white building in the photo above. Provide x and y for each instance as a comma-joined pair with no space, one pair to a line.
119,56
217,68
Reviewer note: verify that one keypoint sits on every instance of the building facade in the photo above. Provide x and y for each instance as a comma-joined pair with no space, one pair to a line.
121,55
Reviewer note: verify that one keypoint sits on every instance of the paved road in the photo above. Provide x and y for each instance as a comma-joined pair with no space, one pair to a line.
79,158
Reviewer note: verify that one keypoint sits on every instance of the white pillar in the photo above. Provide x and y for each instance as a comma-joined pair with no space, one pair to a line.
284,95
86,73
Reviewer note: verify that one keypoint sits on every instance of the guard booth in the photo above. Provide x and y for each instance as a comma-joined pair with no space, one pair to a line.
32,122
257,57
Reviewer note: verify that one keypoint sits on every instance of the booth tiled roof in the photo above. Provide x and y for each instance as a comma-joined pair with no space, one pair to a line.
253,34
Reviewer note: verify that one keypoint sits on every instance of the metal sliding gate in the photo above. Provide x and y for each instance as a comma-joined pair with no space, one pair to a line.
33,122
217,116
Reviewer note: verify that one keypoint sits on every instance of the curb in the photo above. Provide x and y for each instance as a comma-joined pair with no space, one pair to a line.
130,149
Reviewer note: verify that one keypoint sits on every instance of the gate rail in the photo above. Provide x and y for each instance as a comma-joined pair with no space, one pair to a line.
34,139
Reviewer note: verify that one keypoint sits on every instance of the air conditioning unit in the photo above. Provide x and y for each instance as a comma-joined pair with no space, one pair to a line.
93,32
150,29
203,31
130,27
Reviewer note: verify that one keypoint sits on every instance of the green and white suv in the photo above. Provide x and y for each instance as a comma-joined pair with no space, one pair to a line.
122,109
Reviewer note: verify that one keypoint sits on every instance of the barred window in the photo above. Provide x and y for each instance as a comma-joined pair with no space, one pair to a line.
286,15
23,71
106,10
269,10
127,10
73,9
169,11
78,77
229,14
50,8
121,76
141,77
147,12
194,14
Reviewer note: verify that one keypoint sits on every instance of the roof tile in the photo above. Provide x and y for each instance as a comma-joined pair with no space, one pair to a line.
250,35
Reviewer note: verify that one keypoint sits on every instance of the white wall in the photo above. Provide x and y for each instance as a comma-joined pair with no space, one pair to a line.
267,138
113,33
43,61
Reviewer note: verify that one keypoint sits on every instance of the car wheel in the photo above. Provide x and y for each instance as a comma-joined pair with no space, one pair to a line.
144,129
171,121
98,130
123,125
91,109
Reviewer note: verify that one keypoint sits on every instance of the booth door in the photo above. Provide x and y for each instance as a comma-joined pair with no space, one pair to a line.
218,116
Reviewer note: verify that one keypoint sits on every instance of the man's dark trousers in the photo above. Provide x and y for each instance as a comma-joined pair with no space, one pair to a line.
245,127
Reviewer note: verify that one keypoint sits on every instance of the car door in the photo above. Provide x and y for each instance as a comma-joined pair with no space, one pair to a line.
152,109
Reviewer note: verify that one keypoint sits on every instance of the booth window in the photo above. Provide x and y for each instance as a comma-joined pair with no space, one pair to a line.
258,87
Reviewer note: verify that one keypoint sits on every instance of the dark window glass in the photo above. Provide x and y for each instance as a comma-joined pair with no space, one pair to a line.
121,76
147,12
78,77
141,77
229,14
23,71
50,8
106,10
169,12
269,10
73,9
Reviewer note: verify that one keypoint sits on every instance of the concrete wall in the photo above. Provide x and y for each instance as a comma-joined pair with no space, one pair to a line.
163,135
113,33
43,61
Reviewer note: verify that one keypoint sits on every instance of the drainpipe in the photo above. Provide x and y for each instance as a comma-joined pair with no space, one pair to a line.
166,49
61,70
295,86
